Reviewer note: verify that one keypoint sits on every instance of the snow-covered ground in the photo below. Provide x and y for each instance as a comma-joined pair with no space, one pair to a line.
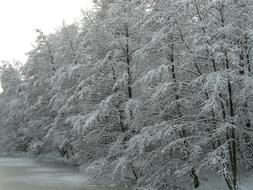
211,181
27,174
52,174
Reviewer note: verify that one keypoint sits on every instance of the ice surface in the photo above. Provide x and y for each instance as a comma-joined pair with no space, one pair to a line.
16,162
211,181
26,174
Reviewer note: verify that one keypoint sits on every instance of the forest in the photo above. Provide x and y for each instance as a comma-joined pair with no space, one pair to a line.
146,94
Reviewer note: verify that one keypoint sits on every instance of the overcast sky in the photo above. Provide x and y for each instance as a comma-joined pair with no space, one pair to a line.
19,18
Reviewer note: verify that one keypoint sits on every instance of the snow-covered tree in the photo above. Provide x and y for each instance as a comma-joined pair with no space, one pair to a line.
147,93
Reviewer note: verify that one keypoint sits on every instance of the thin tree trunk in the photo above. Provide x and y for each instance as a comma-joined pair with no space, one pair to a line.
73,51
128,61
233,156
193,174
120,112
51,56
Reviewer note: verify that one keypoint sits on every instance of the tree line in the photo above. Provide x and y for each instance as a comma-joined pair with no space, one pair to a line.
148,93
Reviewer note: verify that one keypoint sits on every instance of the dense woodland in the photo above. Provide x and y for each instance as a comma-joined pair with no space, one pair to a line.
142,93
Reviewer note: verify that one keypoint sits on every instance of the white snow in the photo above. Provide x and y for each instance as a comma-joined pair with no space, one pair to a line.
30,175
47,174
26,174
211,181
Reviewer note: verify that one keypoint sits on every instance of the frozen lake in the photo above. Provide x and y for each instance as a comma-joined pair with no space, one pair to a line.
27,174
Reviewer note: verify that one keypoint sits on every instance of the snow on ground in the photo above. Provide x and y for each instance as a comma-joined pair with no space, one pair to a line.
211,181
27,174
55,179
16,162
45,174
43,170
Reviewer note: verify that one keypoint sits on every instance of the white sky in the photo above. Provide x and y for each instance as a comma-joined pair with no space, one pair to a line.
19,18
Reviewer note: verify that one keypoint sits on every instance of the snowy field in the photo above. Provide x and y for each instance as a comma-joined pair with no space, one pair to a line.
213,182
47,174
27,174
